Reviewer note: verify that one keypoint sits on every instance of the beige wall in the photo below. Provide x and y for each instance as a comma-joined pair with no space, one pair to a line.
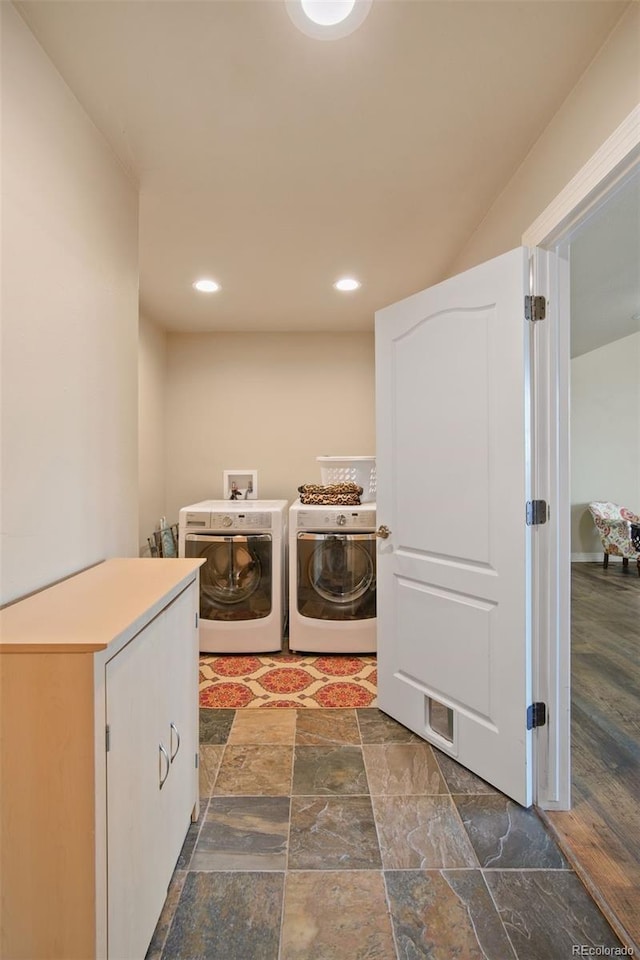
605,436
152,372
270,402
69,326
606,94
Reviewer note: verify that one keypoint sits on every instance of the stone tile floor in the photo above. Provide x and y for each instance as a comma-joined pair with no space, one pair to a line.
340,835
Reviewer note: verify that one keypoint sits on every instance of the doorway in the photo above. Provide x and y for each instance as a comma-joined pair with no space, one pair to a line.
598,833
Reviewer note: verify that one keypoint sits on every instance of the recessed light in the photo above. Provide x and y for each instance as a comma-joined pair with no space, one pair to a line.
346,284
206,286
327,12
328,19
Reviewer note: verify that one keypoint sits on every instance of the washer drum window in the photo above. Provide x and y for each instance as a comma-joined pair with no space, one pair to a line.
236,580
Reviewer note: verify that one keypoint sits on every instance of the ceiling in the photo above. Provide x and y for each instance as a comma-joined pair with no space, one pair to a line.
277,163
605,272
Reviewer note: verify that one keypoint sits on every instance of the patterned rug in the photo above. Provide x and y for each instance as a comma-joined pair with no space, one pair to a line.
287,680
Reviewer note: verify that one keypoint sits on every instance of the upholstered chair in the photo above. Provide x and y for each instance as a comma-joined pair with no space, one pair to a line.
619,531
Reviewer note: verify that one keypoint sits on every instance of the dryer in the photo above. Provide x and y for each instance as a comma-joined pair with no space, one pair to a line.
332,578
243,581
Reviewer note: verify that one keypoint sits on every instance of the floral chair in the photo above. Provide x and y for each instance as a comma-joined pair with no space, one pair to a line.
619,531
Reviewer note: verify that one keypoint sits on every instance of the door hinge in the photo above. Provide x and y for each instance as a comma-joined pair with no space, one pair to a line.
196,619
536,715
196,761
107,738
537,512
535,308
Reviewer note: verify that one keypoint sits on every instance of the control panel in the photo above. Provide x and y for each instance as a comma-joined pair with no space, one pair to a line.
342,518
251,520
197,520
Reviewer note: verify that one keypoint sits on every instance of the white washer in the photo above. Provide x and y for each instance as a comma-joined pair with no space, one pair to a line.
332,578
243,582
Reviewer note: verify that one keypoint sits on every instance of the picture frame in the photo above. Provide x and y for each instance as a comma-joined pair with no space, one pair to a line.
240,484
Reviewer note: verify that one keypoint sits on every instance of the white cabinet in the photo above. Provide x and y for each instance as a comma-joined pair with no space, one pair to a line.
99,722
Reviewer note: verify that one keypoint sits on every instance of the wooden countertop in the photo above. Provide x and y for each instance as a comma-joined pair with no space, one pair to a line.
95,608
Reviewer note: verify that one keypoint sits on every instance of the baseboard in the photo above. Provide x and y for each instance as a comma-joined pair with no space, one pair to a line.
586,557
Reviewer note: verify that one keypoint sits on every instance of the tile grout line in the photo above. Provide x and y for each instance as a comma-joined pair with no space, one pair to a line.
499,914
393,926
202,817
286,861
457,811
382,869
173,916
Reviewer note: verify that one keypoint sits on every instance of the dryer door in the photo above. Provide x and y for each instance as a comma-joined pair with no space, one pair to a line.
337,576
236,580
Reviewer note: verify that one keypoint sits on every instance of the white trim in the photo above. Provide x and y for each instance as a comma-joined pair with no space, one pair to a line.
621,151
552,583
598,178
587,557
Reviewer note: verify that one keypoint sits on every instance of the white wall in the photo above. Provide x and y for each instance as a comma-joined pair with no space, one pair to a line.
270,402
606,94
69,330
152,372
605,436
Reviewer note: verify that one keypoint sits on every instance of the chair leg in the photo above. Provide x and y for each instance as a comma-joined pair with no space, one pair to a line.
605,563
625,564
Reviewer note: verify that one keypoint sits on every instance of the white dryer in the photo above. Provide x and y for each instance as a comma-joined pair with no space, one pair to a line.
332,578
243,582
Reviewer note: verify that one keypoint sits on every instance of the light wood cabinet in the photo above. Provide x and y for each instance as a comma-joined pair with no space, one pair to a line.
98,758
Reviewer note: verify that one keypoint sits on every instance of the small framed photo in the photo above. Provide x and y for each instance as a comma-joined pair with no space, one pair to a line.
240,484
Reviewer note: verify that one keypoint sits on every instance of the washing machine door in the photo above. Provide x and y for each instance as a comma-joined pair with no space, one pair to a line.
337,576
236,580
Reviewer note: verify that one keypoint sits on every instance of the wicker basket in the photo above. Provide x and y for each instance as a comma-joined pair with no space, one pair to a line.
360,470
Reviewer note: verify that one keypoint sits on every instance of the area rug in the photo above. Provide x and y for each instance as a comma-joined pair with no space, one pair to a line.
287,680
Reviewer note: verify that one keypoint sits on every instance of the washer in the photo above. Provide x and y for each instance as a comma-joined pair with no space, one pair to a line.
243,582
332,578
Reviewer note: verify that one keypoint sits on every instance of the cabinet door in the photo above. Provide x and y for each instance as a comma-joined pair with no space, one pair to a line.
137,881
180,793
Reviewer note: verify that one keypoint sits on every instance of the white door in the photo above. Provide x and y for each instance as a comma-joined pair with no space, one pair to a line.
454,644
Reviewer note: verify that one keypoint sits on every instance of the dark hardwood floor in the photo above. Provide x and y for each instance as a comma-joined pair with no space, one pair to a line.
601,833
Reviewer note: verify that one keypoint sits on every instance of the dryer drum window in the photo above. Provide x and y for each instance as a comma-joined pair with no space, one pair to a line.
337,576
340,570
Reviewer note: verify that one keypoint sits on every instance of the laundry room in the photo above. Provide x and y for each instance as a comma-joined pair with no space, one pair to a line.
152,147
280,401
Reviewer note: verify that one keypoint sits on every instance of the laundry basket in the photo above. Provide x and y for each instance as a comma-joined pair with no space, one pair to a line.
360,470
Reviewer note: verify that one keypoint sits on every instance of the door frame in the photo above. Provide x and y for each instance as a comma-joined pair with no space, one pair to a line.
610,166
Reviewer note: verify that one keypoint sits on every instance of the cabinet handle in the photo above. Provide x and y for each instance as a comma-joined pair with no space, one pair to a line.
174,729
163,753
